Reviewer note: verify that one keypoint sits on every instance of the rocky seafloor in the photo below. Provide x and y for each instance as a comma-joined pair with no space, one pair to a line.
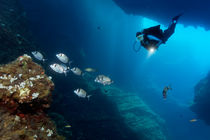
110,113
201,104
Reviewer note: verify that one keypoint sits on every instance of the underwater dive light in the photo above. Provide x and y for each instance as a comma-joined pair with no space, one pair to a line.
151,50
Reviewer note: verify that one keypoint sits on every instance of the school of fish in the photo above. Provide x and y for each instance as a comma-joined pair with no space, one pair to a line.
65,66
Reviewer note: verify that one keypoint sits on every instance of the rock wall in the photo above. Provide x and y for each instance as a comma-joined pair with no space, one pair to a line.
137,115
15,37
201,105
162,11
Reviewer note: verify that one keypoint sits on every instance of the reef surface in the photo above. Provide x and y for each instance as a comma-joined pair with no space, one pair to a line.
25,94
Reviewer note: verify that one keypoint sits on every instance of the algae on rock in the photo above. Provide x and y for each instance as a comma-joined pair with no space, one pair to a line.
25,93
24,81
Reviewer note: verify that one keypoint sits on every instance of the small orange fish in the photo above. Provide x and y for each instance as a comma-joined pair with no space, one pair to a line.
193,120
42,73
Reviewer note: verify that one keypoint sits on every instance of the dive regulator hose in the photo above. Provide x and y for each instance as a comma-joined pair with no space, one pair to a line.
136,49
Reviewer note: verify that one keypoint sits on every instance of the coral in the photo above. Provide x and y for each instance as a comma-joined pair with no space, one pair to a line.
25,93
23,81
201,104
14,127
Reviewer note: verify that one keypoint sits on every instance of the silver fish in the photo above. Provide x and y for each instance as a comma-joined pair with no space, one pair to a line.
77,71
81,93
102,79
65,67
38,55
62,57
59,69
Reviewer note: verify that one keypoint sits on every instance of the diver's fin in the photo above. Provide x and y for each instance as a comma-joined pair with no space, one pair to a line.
175,19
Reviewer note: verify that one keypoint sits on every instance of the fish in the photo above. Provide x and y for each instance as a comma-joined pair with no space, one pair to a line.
68,126
77,71
59,68
193,120
66,68
165,91
81,93
38,56
102,79
62,57
90,70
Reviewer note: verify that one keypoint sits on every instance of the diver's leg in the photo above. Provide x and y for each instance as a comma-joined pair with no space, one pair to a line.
151,30
168,32
175,19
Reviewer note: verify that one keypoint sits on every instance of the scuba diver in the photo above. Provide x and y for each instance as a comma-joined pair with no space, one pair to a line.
165,91
151,38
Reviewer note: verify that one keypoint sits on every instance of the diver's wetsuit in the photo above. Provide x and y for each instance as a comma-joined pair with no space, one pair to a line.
152,31
154,36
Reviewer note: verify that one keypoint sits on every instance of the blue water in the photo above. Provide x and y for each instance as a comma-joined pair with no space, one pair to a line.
100,34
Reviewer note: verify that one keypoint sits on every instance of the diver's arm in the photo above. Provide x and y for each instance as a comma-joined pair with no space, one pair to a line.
151,37
159,41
